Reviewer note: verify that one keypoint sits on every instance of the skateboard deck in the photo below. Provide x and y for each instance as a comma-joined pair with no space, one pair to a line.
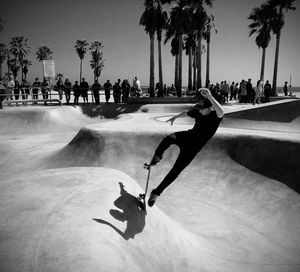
142,197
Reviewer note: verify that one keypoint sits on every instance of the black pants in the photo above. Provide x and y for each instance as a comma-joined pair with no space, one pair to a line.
186,155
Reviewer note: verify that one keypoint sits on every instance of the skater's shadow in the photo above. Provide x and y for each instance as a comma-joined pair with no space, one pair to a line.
131,212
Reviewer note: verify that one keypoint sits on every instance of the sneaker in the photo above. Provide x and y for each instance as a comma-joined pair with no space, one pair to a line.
152,199
155,160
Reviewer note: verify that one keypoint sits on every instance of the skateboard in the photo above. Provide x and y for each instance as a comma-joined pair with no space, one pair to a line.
142,197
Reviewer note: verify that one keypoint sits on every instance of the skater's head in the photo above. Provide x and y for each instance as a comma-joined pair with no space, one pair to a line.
203,102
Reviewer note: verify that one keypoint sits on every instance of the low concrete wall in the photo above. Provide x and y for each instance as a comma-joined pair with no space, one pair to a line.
162,100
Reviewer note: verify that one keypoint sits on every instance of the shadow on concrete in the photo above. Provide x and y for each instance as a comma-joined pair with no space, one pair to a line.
131,213
276,159
108,111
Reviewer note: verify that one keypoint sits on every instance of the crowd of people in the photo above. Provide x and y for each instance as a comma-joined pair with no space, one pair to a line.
120,91
244,91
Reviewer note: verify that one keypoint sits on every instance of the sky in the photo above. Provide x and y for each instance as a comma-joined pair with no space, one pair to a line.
59,23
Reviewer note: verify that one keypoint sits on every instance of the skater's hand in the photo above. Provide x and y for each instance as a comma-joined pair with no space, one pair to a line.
171,120
205,92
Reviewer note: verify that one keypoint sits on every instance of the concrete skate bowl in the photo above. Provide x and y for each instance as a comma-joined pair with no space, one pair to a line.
43,120
283,116
224,199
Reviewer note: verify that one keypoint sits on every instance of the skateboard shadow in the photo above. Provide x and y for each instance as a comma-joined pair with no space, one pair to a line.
131,213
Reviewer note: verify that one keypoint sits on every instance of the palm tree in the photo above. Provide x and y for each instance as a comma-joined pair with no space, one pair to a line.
97,58
43,53
148,20
207,34
261,17
81,49
280,6
161,24
19,48
199,20
179,24
3,55
175,53
189,47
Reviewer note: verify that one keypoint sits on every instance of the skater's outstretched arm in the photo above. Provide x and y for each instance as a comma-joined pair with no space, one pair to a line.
171,120
217,107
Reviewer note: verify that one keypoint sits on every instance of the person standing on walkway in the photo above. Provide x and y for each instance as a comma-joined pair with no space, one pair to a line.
59,87
258,92
117,92
84,86
67,89
45,90
107,89
125,90
208,114
267,91
35,89
96,91
243,92
76,92
285,89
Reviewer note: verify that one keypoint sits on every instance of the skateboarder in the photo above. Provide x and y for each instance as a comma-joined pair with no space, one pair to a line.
208,114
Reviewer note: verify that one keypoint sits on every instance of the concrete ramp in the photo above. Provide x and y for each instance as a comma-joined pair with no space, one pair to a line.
38,119
68,198
236,190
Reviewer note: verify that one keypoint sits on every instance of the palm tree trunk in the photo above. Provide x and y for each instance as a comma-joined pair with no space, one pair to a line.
194,69
262,70
207,81
21,62
179,68
80,72
274,85
151,85
190,79
199,79
160,72
176,71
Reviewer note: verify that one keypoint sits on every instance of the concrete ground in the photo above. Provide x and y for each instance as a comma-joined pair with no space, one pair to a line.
70,177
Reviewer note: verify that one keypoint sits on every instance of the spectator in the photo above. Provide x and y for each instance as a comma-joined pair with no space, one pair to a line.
285,88
216,92
125,90
249,89
9,90
107,90
45,90
236,91
165,91
243,92
136,86
59,87
17,91
172,90
231,91
267,91
96,91
117,92
25,90
35,89
84,86
67,89
226,91
76,92
258,92
2,93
